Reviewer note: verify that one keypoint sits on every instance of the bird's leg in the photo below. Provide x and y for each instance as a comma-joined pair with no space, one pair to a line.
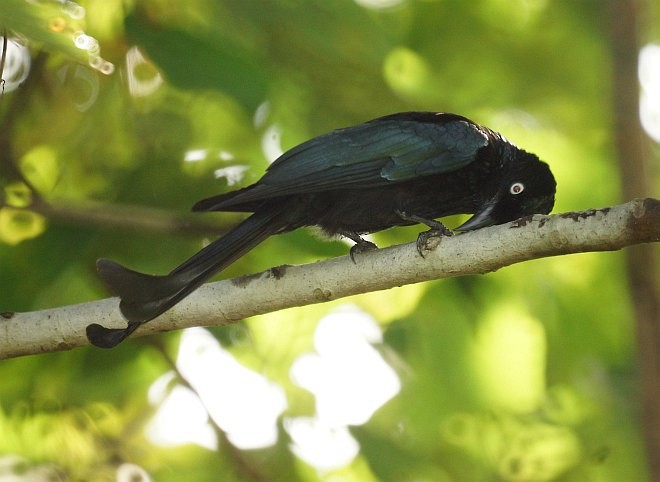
437,230
361,245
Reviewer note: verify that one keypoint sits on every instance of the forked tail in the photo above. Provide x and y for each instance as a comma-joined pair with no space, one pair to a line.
144,297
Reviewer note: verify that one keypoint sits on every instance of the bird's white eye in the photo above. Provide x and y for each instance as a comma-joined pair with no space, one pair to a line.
516,188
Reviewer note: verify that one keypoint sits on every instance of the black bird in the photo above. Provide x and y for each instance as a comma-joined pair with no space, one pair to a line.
396,170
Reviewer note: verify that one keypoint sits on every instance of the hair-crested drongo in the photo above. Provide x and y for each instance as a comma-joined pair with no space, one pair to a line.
396,170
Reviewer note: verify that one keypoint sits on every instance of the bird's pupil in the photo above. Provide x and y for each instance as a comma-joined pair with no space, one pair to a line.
517,188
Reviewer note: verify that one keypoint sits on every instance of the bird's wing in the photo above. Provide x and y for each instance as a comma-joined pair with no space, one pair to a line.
386,150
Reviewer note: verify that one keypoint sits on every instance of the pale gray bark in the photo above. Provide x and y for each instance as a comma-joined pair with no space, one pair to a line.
227,301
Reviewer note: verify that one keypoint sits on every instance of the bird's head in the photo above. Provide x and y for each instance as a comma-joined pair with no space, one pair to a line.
526,187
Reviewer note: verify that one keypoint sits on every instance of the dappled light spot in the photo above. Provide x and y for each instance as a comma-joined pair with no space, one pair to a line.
261,114
243,403
18,194
510,357
142,76
17,225
195,155
516,13
73,10
322,446
86,42
406,72
197,161
181,417
379,4
649,77
347,375
233,174
68,23
17,65
350,381
41,167
270,143
103,66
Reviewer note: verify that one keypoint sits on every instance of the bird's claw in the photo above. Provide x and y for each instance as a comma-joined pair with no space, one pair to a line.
361,247
437,231
429,240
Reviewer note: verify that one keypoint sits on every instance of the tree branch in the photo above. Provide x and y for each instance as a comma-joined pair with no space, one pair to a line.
96,215
224,302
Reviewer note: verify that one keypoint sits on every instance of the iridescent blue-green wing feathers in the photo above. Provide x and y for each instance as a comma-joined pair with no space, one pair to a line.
386,150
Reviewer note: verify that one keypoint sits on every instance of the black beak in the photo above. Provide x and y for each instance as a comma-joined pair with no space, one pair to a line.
481,218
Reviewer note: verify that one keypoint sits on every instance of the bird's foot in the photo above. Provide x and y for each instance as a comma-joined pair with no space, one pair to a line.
427,240
361,245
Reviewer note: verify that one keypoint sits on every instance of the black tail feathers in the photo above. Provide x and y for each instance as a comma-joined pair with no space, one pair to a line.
103,337
144,297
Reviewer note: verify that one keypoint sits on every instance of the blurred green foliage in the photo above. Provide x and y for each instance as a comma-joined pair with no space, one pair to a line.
528,374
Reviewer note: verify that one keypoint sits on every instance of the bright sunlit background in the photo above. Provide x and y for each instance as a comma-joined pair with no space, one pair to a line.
649,78
348,377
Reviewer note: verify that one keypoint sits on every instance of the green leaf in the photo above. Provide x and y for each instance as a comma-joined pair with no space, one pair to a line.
199,61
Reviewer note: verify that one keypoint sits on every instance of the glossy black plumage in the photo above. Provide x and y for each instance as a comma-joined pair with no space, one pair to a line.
392,171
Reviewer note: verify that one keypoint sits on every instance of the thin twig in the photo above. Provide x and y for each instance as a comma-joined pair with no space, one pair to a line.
130,218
